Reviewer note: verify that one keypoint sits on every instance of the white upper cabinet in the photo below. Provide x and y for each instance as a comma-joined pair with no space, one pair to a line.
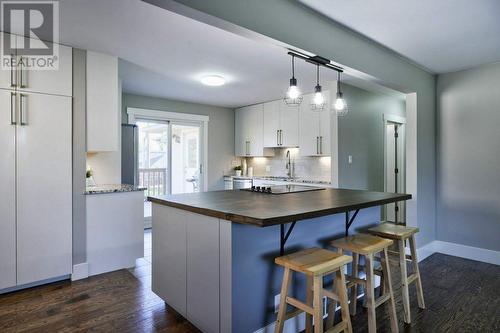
8,77
271,124
281,125
56,81
289,120
314,128
249,123
103,114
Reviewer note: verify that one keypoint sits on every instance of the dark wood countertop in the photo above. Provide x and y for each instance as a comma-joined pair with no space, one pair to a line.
267,209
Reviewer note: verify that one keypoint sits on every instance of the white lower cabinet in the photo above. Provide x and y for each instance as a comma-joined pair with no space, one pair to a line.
191,256
7,193
39,135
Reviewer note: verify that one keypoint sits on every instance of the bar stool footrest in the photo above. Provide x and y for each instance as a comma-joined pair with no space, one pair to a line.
412,278
300,305
340,327
293,314
382,299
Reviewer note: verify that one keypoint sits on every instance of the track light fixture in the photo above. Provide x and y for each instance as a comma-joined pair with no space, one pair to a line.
340,104
293,96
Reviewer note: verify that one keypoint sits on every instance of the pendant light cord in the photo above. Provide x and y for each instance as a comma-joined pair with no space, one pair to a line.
338,83
293,66
317,75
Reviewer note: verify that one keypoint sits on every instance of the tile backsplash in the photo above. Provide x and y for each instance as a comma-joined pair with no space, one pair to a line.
304,167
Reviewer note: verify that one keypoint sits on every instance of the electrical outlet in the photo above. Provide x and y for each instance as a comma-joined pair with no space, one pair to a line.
277,299
268,168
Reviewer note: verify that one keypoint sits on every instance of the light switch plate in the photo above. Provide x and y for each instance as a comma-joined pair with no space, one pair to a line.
268,168
350,159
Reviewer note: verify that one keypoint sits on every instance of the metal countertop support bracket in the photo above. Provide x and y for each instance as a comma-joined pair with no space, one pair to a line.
284,236
349,221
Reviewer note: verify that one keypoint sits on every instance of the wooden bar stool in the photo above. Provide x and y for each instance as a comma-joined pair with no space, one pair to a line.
368,246
315,263
401,233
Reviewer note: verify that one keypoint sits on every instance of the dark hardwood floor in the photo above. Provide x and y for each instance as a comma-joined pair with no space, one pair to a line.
461,296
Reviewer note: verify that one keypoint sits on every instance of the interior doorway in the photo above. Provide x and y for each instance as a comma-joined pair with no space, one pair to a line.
394,166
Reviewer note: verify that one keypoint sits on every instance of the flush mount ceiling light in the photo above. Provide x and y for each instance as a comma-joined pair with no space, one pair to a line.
340,104
318,102
293,96
213,80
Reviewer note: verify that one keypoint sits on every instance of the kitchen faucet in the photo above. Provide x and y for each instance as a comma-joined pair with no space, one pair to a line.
288,164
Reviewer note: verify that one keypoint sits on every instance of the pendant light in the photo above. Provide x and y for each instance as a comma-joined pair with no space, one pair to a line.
318,102
293,96
340,104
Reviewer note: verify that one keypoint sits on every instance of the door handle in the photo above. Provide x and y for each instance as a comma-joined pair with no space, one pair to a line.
13,108
22,113
12,76
22,75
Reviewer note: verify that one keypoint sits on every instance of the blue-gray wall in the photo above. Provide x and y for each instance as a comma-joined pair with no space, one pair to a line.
361,135
220,130
468,196
294,24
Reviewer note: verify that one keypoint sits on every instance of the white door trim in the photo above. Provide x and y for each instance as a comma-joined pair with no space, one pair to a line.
390,118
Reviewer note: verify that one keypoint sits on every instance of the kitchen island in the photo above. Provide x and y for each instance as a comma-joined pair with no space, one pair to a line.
213,252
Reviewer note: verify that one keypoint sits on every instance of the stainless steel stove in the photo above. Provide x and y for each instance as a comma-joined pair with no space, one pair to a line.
282,189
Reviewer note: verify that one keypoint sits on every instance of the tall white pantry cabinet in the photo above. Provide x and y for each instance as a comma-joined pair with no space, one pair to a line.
36,173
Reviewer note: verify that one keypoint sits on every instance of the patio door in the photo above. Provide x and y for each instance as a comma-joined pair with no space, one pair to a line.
171,154
186,166
153,159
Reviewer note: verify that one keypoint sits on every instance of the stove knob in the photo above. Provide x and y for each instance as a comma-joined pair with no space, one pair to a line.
268,190
253,188
258,188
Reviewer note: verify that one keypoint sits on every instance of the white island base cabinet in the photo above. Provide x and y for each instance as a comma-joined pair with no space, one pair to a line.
192,266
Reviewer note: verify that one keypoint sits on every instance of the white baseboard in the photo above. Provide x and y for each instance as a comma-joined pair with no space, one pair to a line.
80,271
467,252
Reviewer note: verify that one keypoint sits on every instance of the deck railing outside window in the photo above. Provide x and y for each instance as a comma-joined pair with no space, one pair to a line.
154,180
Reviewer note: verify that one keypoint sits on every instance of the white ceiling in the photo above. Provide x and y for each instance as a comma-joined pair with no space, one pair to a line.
164,54
440,35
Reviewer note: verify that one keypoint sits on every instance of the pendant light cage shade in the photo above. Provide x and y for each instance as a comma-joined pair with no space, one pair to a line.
293,96
318,101
340,104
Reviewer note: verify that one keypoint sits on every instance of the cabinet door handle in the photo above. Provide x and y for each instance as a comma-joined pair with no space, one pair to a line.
22,113
22,74
321,145
247,147
13,108
277,137
12,72
317,145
